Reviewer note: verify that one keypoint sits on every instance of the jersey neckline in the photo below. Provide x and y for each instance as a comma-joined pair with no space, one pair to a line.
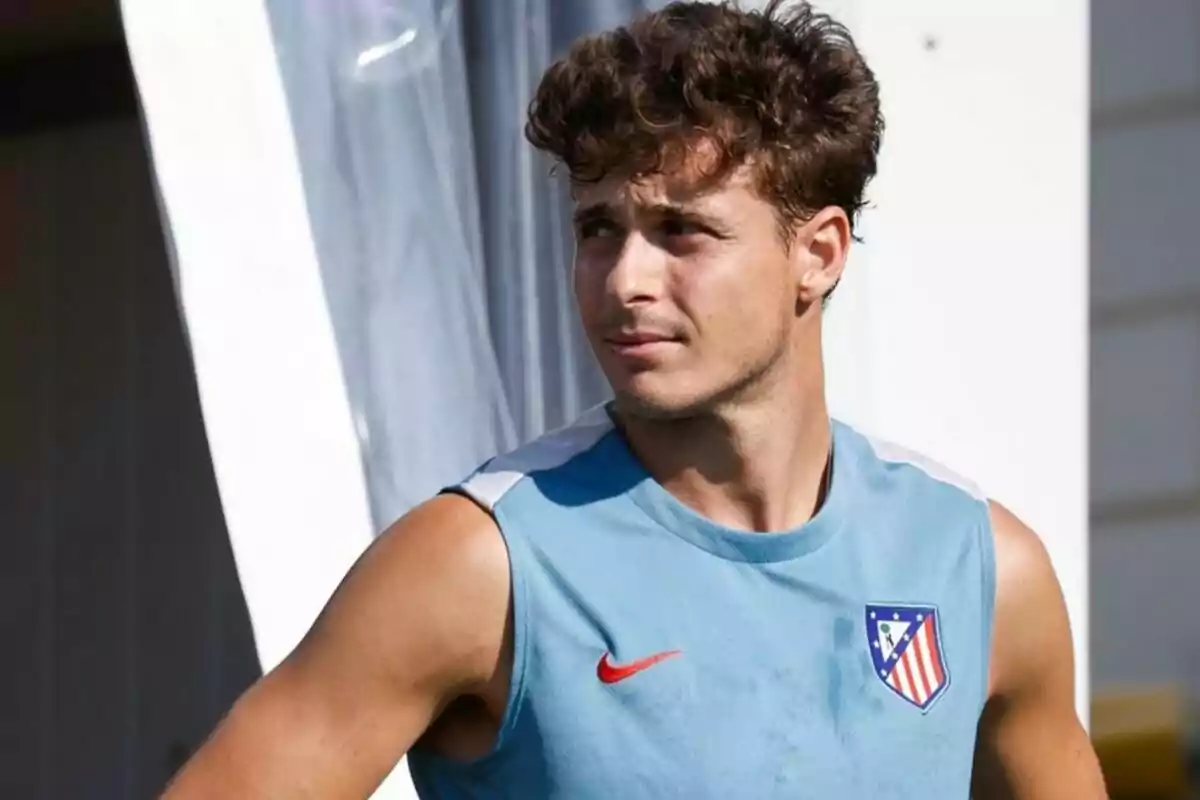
734,544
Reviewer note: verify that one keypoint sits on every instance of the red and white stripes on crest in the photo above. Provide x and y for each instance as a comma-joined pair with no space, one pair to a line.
918,674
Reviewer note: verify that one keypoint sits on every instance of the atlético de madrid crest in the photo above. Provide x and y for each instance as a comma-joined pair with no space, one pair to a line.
906,648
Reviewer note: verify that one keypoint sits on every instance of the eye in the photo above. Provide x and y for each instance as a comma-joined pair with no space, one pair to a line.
597,228
680,227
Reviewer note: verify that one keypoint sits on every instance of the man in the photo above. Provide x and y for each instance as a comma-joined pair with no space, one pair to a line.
707,588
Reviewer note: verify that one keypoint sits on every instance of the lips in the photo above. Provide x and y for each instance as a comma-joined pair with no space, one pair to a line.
641,348
635,338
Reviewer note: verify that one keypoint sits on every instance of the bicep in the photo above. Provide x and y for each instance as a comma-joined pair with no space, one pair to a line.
293,735
1030,741
419,620
1029,751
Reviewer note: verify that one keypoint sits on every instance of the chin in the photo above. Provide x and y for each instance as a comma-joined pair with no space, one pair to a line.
679,396
660,405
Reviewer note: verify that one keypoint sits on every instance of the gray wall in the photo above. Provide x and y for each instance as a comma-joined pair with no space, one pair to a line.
1145,537
124,630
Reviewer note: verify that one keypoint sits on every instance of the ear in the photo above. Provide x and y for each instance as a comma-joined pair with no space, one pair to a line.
820,250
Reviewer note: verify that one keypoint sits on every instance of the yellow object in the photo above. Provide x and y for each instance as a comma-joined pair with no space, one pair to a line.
1140,737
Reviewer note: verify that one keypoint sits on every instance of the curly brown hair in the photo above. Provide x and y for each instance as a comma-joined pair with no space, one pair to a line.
784,91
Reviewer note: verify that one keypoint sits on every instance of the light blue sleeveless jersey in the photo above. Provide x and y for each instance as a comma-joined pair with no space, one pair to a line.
660,655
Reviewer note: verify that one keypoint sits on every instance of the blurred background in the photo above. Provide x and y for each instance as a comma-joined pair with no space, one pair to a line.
366,187
1145,381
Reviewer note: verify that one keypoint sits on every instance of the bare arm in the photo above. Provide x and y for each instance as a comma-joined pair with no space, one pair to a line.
1031,744
418,621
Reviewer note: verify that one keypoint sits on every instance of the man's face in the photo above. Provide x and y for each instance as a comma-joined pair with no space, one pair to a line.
688,295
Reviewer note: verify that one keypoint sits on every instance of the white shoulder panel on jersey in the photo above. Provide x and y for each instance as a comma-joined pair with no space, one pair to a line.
551,450
896,454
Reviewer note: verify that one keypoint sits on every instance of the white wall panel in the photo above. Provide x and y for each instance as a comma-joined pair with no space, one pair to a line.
275,408
961,329
279,424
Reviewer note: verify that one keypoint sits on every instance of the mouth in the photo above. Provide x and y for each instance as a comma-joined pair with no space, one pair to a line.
640,344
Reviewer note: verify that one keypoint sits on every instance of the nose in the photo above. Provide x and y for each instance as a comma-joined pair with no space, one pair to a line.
638,274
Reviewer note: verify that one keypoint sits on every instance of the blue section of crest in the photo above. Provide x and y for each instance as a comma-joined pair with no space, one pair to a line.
914,615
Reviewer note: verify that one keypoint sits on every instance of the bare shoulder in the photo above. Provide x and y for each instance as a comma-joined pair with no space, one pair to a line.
1030,624
420,620
1017,545
446,538
436,581
1024,573
1030,741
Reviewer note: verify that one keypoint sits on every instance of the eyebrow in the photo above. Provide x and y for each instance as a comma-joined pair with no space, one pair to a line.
605,210
593,212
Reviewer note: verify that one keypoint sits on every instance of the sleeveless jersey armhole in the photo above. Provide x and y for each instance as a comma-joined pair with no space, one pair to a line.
519,593
987,563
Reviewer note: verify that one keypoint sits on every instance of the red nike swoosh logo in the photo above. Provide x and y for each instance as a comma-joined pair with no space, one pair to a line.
609,672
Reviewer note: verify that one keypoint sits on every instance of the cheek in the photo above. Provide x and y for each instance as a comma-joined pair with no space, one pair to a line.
740,321
735,300
589,293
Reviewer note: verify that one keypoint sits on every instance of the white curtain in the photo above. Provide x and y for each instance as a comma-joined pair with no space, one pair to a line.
371,264
442,240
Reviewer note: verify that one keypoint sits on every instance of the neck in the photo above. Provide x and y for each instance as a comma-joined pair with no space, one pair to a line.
754,464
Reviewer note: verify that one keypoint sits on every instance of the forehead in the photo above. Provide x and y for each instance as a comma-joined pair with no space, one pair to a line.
730,193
